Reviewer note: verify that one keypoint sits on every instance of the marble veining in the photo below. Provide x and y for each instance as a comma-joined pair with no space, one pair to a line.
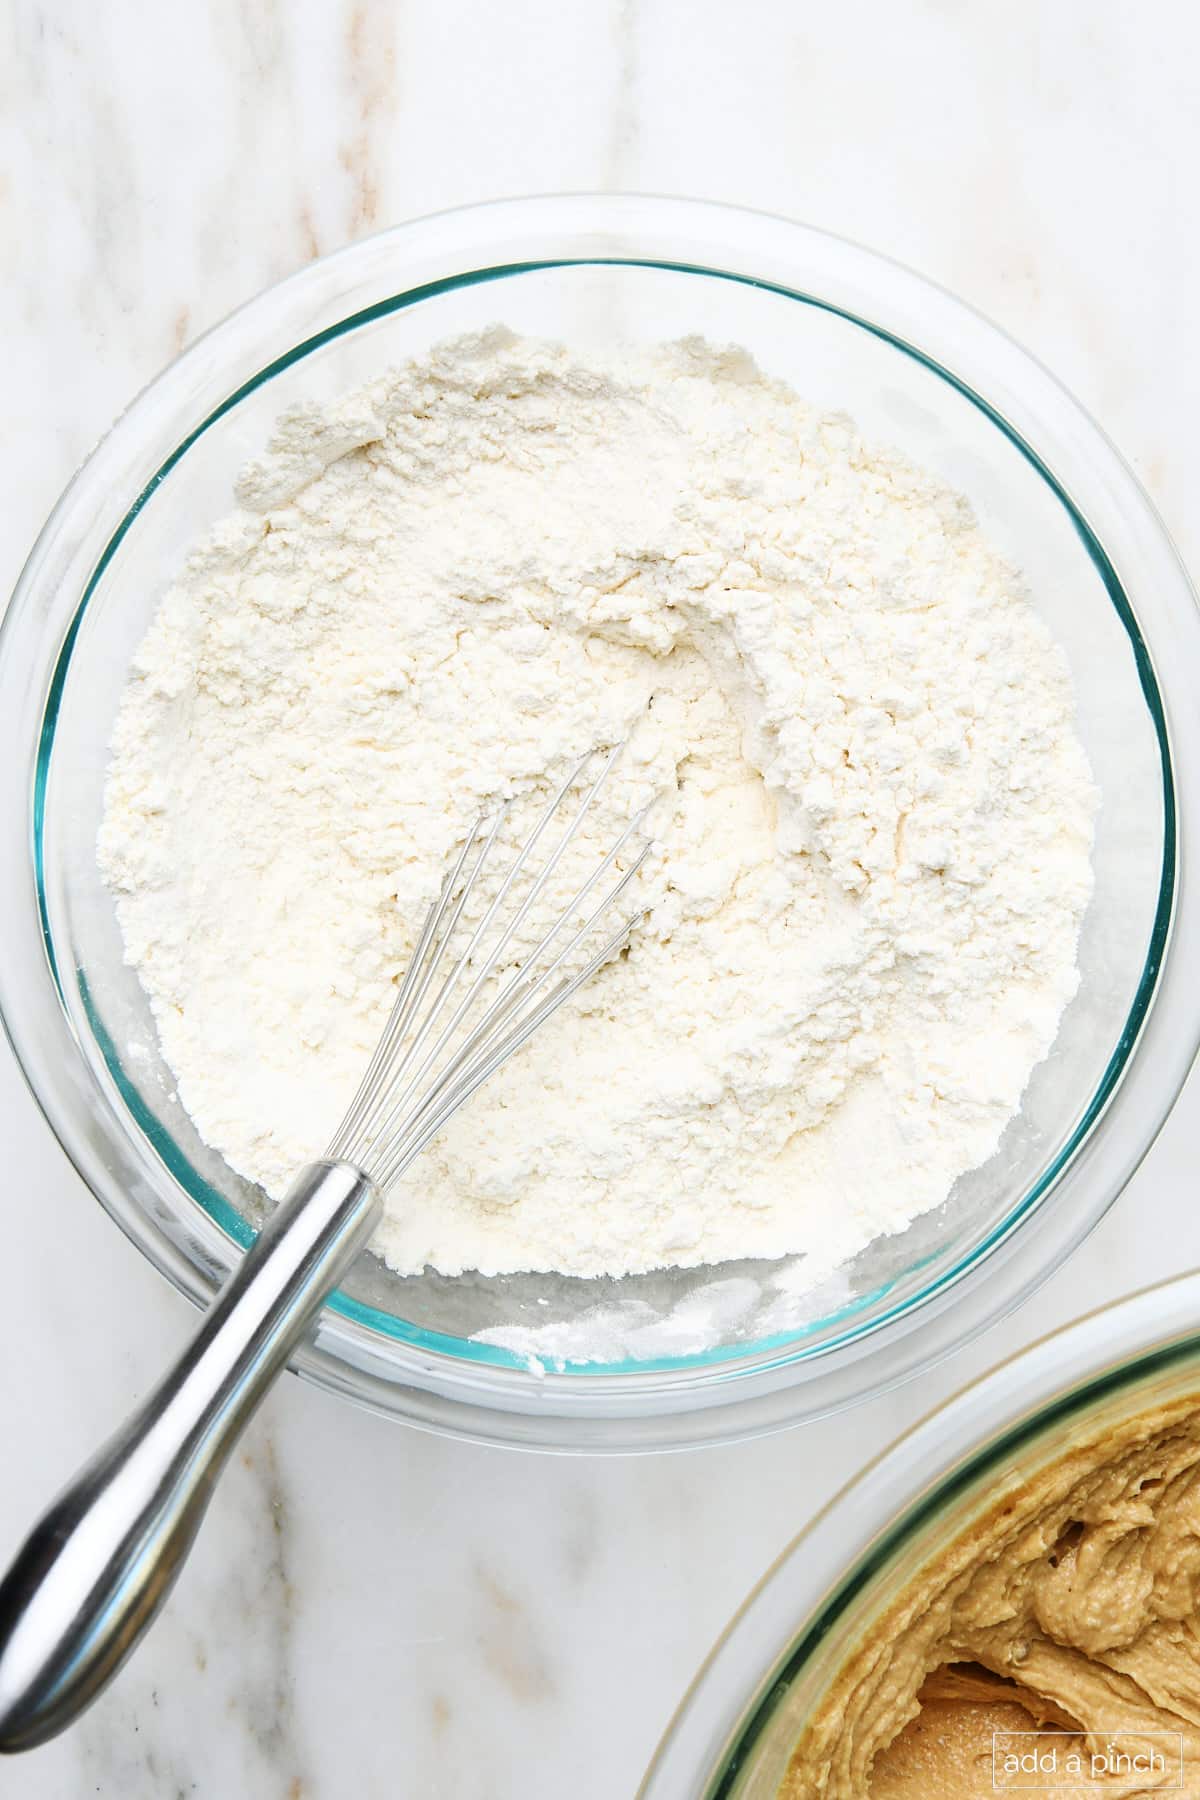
373,1612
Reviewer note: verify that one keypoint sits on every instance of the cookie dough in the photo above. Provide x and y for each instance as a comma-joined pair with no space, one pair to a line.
1070,1606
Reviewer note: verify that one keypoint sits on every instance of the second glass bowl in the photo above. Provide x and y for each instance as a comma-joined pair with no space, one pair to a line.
733,1736
850,332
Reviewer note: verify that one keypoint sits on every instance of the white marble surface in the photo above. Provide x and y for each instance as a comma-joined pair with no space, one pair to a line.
371,1611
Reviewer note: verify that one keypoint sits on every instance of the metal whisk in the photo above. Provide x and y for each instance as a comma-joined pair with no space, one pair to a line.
427,1064
98,1565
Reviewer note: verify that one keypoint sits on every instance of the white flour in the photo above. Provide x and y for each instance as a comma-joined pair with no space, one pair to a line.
875,829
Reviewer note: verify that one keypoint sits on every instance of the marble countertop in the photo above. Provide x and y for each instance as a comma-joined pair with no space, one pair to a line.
463,1622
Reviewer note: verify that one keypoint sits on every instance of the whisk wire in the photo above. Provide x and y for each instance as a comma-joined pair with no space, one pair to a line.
420,1073
403,1095
422,968
511,994
477,1048
406,1002
412,1146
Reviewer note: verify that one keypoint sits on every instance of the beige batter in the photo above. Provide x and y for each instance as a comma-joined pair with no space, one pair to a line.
1072,1606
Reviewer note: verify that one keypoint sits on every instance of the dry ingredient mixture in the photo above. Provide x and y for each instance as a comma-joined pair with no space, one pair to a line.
1069,1608
873,825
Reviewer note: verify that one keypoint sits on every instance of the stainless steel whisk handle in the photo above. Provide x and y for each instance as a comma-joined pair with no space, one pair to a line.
97,1567
94,1572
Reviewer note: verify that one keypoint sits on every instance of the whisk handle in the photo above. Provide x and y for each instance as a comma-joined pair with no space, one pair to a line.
98,1565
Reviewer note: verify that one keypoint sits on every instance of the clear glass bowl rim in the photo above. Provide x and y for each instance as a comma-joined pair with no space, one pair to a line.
1109,1351
649,1406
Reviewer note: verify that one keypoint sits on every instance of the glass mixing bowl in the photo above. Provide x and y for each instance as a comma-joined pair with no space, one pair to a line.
850,332
733,1735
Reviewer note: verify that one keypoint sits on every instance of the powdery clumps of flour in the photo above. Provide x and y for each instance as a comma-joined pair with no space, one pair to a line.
874,825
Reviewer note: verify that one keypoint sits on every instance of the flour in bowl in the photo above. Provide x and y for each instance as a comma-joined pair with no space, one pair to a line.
873,821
